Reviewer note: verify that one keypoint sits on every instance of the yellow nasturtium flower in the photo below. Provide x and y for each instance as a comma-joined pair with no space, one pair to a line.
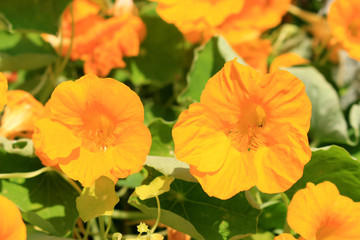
11,224
93,127
3,90
321,213
248,129
21,111
344,23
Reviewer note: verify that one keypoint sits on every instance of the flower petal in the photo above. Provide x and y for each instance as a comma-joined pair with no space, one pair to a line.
11,224
280,165
71,101
321,212
228,89
200,139
236,175
88,166
131,149
47,140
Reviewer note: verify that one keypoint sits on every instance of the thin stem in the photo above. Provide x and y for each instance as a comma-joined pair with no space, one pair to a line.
108,228
69,180
87,231
287,228
26,174
42,82
118,214
102,228
60,68
158,215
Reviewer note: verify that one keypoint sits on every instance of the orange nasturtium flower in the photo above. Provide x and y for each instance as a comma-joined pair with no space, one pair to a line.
11,224
93,127
3,90
100,42
21,111
344,22
204,15
287,60
321,213
255,53
236,20
255,17
248,129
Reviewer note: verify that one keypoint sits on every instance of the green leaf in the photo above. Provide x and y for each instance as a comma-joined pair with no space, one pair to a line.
34,15
273,216
260,236
170,166
354,119
132,181
155,188
187,208
48,195
24,51
35,220
162,52
332,164
162,142
208,60
34,235
327,121
97,200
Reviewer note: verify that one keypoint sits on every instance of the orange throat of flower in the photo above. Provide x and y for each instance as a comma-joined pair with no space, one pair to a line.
247,134
98,132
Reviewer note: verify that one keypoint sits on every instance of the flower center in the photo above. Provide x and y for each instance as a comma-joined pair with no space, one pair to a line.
98,132
247,134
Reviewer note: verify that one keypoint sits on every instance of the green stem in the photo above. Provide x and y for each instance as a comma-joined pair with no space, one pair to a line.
61,67
69,180
287,228
87,231
118,214
26,174
108,228
158,215
102,228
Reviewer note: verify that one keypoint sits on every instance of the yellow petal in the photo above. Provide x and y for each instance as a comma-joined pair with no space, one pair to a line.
47,139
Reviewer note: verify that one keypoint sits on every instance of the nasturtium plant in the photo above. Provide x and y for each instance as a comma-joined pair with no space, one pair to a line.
181,119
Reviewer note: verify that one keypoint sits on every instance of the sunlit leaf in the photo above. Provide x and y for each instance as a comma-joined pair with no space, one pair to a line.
24,51
48,195
162,142
188,209
97,200
332,164
327,121
156,187
208,60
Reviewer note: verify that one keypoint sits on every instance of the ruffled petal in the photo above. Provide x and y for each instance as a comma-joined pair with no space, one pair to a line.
321,212
285,101
88,166
227,91
47,140
200,139
236,175
131,149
